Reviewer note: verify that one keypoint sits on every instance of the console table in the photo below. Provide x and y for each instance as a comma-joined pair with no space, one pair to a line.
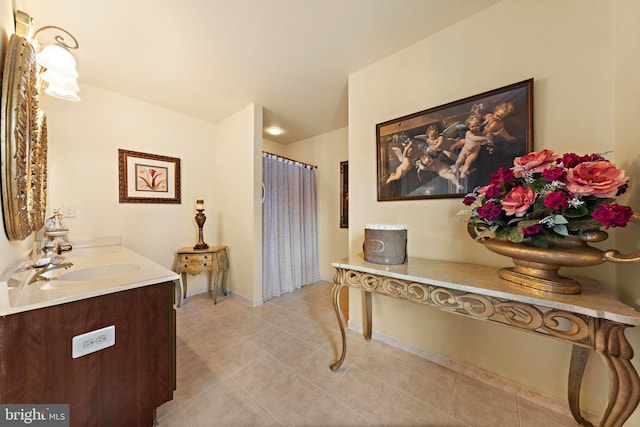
592,320
213,260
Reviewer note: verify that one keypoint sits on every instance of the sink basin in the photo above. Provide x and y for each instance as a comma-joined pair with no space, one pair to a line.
97,272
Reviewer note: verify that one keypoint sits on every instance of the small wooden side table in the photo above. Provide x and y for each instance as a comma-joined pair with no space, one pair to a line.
213,260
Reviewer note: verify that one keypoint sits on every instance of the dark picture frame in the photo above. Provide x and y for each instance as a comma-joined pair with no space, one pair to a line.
447,151
148,178
344,194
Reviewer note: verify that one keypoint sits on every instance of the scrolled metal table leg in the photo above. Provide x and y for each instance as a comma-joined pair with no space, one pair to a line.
624,383
366,315
335,296
579,356
213,283
184,284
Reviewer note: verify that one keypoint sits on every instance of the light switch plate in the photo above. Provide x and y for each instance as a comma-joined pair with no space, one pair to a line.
90,342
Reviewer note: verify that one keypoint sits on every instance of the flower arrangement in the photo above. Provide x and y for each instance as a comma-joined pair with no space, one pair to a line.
546,195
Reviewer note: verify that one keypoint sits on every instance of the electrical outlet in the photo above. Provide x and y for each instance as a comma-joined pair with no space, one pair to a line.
93,341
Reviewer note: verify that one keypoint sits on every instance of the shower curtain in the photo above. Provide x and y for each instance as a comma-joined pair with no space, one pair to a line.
289,226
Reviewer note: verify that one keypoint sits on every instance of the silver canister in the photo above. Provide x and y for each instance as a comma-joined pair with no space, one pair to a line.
385,243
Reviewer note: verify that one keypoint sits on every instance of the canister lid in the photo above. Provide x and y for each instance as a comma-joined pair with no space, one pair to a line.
386,227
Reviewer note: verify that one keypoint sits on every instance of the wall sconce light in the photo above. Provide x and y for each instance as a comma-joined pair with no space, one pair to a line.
58,65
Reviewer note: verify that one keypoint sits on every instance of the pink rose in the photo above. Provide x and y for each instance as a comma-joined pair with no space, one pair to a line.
534,162
482,190
518,200
598,179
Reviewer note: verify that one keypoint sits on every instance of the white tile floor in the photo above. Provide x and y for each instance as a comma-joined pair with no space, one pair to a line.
269,366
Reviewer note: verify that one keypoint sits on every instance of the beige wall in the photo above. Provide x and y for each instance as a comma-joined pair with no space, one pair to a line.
84,139
570,48
273,147
626,106
235,167
625,109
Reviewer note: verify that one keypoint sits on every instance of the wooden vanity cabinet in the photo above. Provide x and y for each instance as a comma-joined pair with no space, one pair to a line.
121,385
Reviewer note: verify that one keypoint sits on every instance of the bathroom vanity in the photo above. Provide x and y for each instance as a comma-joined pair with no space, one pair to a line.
121,384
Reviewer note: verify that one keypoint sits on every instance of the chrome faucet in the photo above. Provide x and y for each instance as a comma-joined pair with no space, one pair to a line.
38,277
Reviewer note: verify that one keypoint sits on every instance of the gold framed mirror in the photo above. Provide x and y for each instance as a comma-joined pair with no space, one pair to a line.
23,142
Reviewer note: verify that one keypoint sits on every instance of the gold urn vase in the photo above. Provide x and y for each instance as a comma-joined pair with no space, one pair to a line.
537,267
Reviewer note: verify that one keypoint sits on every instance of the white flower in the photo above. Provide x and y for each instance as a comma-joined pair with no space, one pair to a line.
552,186
528,177
575,202
548,221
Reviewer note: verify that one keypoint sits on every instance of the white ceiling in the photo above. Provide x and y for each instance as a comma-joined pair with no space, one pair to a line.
211,58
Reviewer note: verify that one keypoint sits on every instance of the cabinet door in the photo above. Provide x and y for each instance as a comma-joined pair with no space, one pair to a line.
119,385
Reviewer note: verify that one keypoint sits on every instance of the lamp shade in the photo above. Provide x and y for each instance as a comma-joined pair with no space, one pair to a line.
61,81
57,59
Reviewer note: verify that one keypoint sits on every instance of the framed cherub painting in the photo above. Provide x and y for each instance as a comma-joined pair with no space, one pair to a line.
447,151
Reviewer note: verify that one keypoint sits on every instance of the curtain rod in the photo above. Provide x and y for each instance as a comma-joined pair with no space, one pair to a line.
291,160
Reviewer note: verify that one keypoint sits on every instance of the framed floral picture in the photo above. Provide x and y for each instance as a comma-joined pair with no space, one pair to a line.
148,178
449,150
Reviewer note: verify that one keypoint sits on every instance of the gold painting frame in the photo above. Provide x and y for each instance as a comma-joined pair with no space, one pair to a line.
23,143
448,150
344,194
148,178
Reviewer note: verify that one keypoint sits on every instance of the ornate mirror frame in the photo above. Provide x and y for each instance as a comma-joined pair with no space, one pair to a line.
23,142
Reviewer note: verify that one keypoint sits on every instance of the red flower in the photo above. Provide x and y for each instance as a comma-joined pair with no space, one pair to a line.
554,174
492,192
469,200
571,160
613,215
556,199
532,229
489,211
501,176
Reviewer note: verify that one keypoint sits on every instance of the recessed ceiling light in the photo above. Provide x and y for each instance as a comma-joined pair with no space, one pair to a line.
274,130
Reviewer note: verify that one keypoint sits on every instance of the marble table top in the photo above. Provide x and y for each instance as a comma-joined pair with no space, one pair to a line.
595,300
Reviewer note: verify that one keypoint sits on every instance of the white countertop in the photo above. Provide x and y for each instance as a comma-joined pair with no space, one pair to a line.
17,295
